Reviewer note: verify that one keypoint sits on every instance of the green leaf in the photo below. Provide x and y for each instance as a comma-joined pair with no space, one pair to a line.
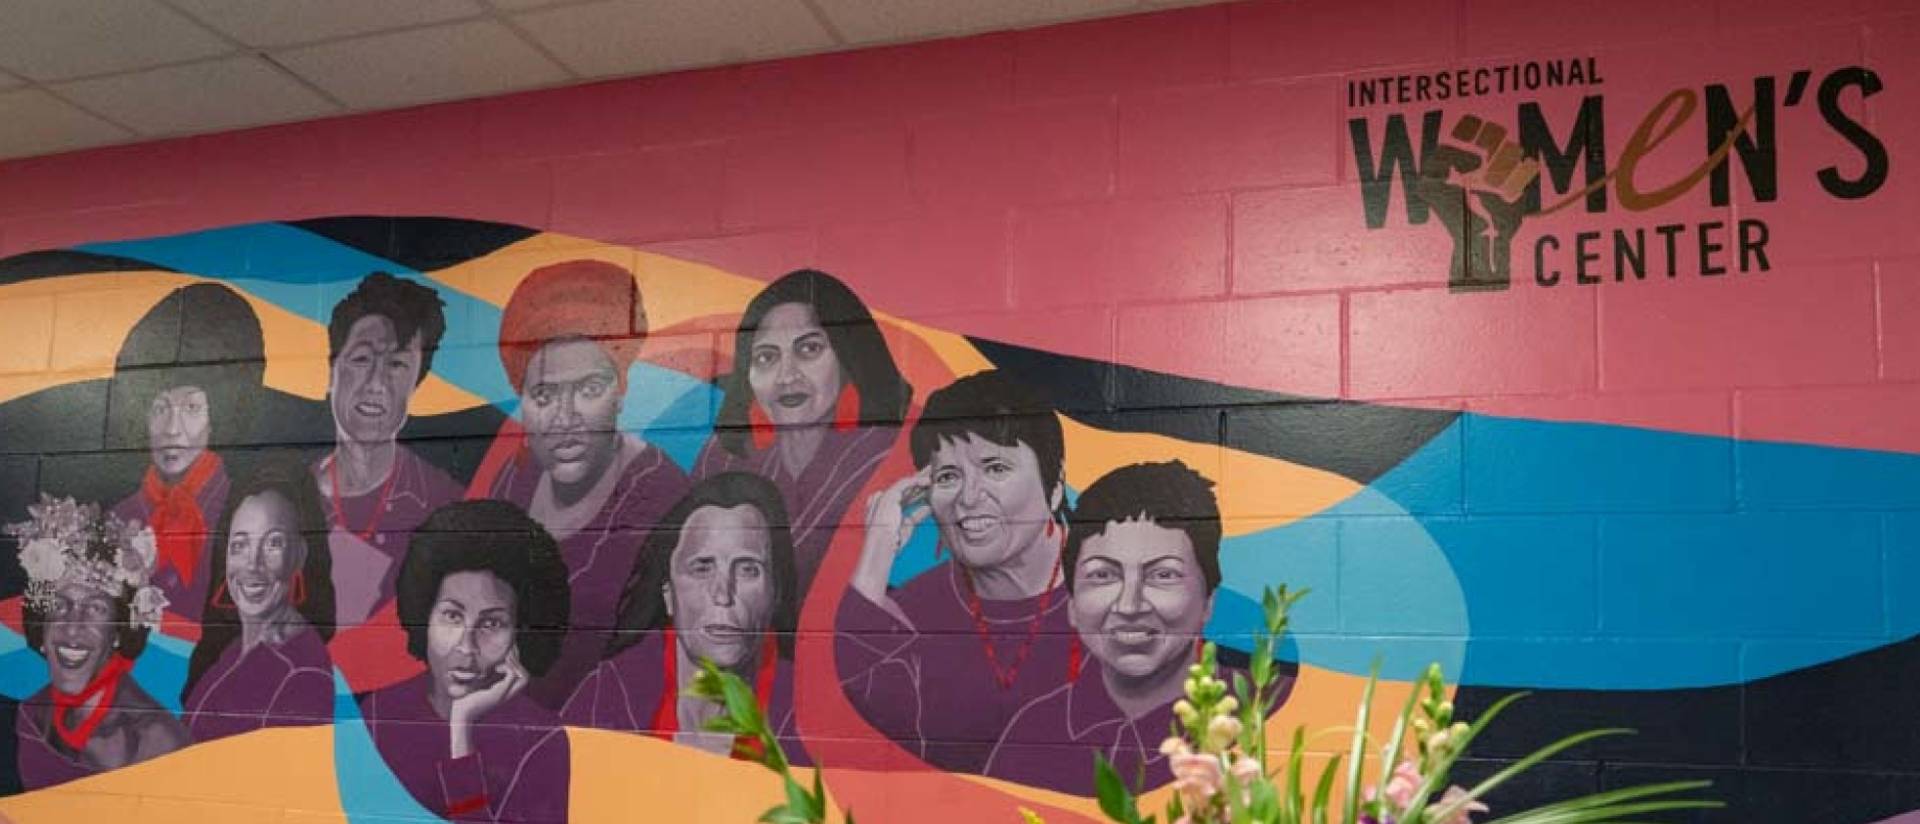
1398,740
1291,802
1524,764
1437,773
1357,754
1609,814
1324,791
798,802
1115,801
1613,797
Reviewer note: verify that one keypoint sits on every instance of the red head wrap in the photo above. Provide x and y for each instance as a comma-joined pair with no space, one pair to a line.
588,299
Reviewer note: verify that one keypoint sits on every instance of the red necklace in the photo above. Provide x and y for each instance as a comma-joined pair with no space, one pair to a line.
106,684
1005,675
380,507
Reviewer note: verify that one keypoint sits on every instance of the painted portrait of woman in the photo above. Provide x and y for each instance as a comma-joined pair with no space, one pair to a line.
262,659
381,341
88,610
483,598
813,402
1143,562
942,663
568,336
715,581
183,382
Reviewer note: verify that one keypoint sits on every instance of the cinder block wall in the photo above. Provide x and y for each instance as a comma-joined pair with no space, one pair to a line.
1654,462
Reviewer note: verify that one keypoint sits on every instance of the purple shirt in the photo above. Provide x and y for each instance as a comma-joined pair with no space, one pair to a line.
599,556
518,769
271,685
183,598
624,692
364,569
931,687
819,495
137,727
1050,743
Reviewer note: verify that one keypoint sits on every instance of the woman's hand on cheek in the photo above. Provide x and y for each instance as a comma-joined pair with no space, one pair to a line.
890,523
468,709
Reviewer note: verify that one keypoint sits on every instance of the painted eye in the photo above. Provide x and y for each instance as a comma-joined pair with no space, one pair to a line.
493,622
1097,575
946,477
450,616
998,469
750,571
542,395
594,388
1167,575
811,348
765,357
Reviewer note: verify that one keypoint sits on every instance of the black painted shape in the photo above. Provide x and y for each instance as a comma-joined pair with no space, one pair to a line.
55,263
1853,713
9,755
1769,796
1360,441
1692,726
19,477
67,418
422,244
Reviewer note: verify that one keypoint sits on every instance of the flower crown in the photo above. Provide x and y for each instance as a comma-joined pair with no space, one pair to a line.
68,542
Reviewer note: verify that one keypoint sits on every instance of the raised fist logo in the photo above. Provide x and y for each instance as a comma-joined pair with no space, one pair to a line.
1489,170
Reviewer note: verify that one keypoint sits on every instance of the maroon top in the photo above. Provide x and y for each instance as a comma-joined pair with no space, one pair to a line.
271,685
518,770
599,556
817,498
624,692
364,568
136,722
184,599
931,687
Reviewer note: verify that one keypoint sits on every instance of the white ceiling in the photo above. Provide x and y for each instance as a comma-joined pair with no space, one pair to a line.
82,73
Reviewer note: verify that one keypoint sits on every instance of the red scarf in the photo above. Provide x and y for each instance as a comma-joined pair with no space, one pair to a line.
105,684
666,714
178,523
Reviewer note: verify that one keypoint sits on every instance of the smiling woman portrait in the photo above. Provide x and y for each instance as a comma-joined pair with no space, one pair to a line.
262,660
568,337
941,663
1143,563
88,609
715,581
183,383
483,597
813,402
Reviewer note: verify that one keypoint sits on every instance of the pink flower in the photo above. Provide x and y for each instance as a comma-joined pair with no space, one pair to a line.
1453,796
1196,776
1401,786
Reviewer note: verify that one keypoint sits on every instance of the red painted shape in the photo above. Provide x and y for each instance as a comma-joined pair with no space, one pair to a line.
1015,155
1227,137
1120,251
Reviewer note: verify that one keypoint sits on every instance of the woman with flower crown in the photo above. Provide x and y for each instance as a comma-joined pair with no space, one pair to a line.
88,609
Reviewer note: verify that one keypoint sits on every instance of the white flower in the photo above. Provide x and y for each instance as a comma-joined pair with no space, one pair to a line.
148,605
44,559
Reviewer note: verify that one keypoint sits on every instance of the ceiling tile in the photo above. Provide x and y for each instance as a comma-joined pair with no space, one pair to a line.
523,5
423,65
63,39
39,123
646,36
876,21
288,22
200,97
8,81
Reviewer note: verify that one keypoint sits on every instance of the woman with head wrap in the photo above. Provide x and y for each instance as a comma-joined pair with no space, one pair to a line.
813,403
714,582
567,338
483,597
185,375
88,610
262,656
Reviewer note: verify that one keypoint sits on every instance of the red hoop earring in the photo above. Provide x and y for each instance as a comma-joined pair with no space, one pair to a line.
846,410
1076,658
759,425
221,598
299,587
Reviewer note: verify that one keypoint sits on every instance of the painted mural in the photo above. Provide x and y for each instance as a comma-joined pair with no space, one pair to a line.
418,517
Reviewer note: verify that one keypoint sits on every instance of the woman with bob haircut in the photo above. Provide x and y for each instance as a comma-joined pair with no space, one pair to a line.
714,582
568,337
262,656
483,596
941,663
88,609
813,403
184,380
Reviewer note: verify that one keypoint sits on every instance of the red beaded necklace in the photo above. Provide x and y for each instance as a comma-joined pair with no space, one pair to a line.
380,506
1007,674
